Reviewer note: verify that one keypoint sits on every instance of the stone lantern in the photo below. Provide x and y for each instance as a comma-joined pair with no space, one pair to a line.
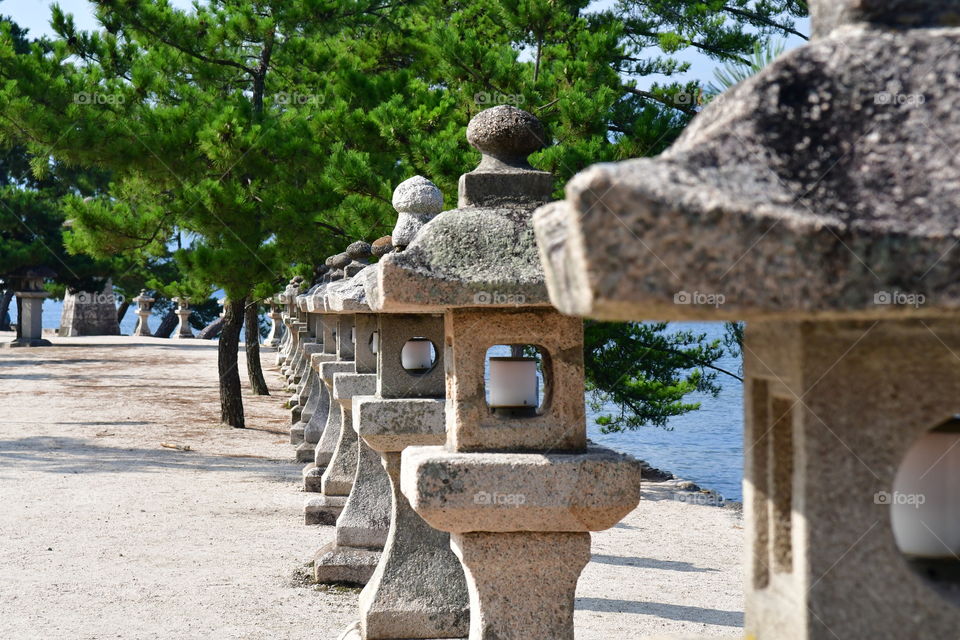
183,313
818,201
408,410
28,287
516,484
144,303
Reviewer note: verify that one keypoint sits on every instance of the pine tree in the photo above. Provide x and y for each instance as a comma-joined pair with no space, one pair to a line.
270,134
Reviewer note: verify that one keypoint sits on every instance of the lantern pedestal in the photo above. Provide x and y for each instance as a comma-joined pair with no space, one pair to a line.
393,605
273,338
183,327
334,446
301,397
363,524
544,567
143,327
318,412
31,324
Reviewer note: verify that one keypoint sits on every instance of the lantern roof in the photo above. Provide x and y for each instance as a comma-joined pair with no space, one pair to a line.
483,253
824,186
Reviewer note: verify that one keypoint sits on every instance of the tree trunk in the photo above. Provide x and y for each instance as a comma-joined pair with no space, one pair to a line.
167,325
5,309
252,333
231,402
212,330
122,311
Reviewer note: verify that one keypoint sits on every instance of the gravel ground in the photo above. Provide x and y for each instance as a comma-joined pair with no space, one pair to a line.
105,533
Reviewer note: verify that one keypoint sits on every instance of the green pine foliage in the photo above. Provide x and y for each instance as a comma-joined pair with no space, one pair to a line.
268,135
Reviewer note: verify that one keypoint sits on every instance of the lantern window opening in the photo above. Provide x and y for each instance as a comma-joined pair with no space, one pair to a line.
418,356
516,380
925,509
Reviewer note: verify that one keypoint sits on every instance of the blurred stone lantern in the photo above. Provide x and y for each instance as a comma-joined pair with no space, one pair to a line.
183,313
518,491
818,201
143,302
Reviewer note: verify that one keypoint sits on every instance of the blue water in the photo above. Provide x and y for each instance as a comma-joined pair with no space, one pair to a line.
704,446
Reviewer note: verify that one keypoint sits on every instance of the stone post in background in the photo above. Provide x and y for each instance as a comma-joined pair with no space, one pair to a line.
183,313
144,303
30,293
818,201
516,484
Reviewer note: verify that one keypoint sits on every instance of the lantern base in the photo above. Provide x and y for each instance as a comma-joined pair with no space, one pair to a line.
312,477
338,564
26,342
323,509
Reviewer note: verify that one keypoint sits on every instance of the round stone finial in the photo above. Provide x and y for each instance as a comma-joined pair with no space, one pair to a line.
506,133
382,246
359,250
418,196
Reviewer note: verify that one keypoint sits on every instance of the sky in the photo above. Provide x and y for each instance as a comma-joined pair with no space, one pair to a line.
35,15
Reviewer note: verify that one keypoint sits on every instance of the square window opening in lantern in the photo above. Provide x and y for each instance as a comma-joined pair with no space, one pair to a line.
515,380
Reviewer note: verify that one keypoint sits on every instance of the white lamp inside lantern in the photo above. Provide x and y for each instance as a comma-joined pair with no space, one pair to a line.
925,503
353,335
513,383
374,342
417,355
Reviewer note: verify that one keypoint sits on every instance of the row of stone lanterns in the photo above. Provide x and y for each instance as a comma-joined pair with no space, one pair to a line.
428,465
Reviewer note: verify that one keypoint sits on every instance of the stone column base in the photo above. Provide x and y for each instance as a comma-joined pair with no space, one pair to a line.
354,632
305,450
312,478
26,342
296,432
337,564
522,584
323,509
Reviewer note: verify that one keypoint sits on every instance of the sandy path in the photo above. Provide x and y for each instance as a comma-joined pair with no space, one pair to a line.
106,534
